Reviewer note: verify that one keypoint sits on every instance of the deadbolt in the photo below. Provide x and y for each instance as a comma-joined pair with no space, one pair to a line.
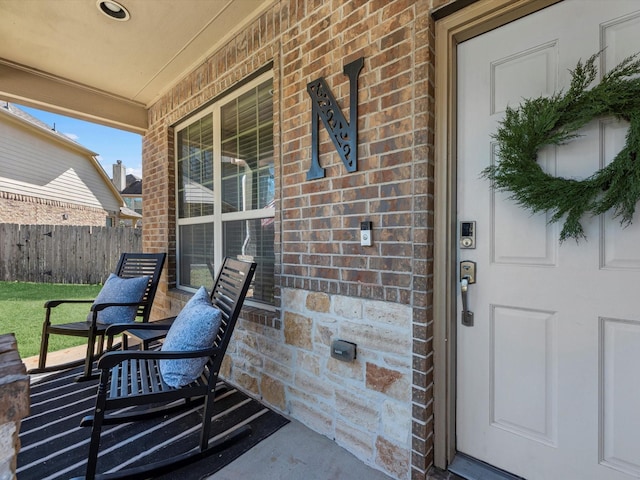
467,234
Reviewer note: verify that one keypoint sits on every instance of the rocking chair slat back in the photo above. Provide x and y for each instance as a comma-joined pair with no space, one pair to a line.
138,266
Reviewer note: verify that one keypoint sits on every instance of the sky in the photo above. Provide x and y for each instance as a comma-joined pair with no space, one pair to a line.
109,143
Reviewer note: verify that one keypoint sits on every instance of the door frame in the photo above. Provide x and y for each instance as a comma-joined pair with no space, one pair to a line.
454,23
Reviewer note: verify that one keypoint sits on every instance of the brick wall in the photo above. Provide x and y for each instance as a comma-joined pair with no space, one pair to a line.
320,265
25,210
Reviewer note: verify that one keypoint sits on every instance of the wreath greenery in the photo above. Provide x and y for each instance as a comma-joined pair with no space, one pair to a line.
553,121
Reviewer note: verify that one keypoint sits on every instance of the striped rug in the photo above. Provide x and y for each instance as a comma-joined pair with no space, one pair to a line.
54,446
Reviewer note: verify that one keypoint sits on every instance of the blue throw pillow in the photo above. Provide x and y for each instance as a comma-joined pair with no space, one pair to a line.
194,328
120,290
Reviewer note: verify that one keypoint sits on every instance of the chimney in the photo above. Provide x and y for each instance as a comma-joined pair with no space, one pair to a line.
119,176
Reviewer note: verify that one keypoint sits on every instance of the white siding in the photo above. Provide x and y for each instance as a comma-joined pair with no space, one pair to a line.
33,165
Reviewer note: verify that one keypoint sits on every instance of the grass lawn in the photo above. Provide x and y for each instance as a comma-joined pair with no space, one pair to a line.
22,312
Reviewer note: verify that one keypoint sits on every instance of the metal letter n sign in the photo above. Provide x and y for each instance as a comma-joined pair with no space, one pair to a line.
343,134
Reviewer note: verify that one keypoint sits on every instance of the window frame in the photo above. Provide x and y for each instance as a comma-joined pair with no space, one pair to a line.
218,218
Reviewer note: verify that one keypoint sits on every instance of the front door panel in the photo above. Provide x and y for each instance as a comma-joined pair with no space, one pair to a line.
547,377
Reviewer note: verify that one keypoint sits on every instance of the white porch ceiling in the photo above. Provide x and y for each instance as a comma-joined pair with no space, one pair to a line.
67,57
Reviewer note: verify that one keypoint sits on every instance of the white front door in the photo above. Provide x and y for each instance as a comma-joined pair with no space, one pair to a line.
548,378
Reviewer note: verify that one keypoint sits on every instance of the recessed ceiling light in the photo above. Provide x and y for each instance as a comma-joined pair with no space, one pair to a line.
113,10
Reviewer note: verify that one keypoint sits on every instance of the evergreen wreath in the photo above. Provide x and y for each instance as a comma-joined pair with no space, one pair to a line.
552,121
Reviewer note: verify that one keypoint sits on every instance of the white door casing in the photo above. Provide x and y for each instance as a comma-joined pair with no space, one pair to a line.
547,378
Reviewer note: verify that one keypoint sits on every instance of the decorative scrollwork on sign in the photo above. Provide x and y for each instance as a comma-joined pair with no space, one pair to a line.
343,134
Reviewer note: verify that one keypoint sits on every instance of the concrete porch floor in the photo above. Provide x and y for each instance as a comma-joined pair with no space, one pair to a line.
294,452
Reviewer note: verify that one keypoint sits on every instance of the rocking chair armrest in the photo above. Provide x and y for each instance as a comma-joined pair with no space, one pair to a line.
96,307
111,359
116,328
54,303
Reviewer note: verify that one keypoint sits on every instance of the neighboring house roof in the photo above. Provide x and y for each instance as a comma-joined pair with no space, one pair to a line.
43,127
126,212
134,188
38,161
131,178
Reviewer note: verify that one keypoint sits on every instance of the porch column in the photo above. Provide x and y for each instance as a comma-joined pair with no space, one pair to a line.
14,404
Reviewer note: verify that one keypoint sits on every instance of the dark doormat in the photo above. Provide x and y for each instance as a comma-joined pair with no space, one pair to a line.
54,446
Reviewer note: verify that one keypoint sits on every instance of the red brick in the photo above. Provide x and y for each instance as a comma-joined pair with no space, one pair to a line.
318,225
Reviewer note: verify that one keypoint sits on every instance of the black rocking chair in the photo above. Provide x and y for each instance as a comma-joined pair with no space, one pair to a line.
133,379
130,265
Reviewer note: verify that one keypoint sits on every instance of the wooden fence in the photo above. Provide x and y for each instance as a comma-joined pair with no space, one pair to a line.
63,254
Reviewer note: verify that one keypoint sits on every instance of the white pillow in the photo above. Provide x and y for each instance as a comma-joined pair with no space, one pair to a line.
194,328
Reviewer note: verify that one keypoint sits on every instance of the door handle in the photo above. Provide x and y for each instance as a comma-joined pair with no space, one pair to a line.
467,277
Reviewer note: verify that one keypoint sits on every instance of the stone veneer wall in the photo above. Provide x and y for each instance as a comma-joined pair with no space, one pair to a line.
14,404
320,265
364,405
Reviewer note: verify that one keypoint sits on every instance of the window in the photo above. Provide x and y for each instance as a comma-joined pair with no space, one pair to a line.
225,189
134,203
